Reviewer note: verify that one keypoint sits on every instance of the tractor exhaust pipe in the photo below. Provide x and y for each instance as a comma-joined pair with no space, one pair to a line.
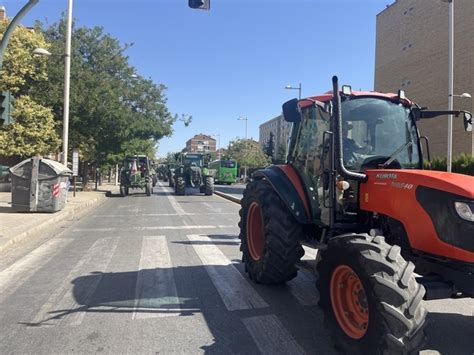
341,169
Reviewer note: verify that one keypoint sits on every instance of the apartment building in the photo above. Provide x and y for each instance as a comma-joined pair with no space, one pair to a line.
201,143
281,132
412,54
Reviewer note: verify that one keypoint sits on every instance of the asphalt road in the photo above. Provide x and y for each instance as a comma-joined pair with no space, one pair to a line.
162,274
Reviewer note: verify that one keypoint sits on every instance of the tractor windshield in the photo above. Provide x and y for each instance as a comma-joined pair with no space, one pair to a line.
376,131
193,159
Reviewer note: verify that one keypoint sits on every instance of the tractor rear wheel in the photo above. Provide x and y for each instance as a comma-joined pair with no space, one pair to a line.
208,185
369,296
269,235
180,186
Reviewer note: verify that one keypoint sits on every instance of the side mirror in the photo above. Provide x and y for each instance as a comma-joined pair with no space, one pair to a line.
468,121
291,111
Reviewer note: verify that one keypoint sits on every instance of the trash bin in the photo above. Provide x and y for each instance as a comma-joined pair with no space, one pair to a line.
39,185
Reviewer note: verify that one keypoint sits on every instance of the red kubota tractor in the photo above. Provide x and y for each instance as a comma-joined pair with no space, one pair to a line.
354,188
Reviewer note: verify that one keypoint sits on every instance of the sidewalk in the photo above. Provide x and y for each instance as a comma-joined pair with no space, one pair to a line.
15,226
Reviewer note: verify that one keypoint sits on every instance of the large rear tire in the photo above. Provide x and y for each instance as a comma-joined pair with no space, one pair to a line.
269,235
369,296
208,185
180,186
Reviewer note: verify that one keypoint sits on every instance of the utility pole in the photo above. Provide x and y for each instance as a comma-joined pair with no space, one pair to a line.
246,145
67,76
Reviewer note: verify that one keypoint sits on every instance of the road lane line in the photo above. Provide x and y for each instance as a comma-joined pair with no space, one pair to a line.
270,335
303,288
174,204
163,214
155,288
62,306
18,273
234,289
309,253
153,228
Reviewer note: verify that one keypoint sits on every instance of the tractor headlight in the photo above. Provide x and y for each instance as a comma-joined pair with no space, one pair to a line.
465,210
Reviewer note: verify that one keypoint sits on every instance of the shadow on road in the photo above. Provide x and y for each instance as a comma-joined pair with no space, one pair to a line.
232,190
140,294
450,333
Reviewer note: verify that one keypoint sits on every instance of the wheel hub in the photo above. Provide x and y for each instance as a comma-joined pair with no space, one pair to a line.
255,231
349,302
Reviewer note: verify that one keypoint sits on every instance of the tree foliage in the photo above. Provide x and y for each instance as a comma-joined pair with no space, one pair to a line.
114,112
270,145
248,153
34,129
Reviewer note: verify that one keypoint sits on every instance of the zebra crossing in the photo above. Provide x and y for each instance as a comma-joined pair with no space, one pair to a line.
156,294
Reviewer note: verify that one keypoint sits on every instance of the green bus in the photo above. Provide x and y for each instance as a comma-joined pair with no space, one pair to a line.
225,171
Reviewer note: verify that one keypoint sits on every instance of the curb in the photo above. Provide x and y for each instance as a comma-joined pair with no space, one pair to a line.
227,197
56,218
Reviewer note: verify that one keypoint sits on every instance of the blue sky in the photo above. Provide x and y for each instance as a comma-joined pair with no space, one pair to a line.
235,59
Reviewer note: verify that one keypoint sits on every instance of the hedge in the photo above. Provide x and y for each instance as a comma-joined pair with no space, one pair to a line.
462,164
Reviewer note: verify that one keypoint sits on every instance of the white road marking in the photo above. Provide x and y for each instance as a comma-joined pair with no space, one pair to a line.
176,206
309,253
271,336
156,288
152,228
234,289
61,305
162,214
304,289
18,273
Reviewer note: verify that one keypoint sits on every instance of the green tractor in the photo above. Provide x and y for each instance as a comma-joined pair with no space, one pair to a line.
136,173
192,171
170,168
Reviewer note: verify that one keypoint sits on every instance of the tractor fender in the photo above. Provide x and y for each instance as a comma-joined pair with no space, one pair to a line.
287,184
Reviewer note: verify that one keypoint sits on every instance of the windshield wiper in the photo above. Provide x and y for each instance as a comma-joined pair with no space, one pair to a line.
395,153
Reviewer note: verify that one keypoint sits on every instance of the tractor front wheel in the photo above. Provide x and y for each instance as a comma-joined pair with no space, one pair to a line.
180,186
208,185
369,296
269,235
148,189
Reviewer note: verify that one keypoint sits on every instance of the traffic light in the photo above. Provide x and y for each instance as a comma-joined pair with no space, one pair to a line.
200,4
6,99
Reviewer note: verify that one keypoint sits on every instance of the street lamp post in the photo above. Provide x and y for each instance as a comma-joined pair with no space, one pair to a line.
246,121
67,76
289,87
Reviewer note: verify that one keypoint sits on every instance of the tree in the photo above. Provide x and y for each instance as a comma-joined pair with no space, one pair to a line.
270,146
248,152
34,130
281,154
113,111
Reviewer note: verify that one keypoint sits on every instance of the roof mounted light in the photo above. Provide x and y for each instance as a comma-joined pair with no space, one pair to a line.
401,94
346,90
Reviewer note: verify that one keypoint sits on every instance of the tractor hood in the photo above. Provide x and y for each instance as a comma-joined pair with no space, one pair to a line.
457,184
424,203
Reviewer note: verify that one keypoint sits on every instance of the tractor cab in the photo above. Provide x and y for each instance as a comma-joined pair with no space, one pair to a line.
332,146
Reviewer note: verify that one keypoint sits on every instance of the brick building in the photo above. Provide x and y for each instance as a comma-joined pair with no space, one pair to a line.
201,143
281,133
412,54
